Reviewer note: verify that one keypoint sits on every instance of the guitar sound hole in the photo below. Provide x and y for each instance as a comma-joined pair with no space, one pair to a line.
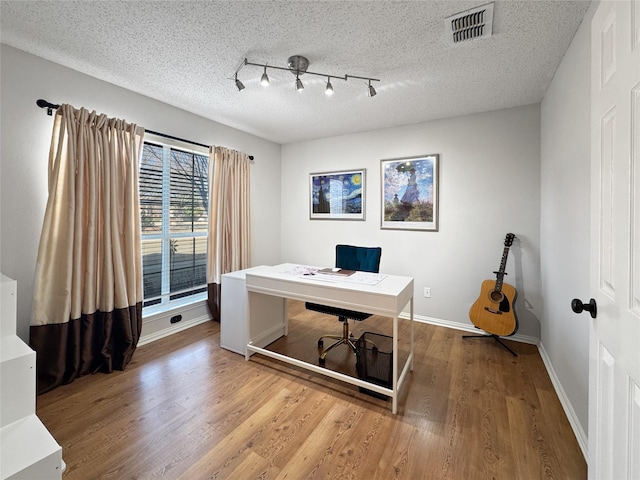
496,296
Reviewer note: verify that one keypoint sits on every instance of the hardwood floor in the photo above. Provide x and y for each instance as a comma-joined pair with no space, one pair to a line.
187,409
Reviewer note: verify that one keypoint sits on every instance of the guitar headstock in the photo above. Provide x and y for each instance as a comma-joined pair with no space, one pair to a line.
509,239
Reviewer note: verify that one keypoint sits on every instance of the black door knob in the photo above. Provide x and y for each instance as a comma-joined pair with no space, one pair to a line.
578,307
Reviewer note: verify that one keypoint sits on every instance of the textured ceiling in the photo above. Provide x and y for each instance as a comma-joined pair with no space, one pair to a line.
185,54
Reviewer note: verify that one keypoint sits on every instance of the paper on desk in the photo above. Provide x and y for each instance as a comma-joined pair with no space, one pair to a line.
314,273
300,270
364,278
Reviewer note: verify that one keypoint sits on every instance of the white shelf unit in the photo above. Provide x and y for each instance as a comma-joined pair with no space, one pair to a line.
27,449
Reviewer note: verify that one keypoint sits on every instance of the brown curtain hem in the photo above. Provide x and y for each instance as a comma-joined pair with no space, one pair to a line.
213,299
96,342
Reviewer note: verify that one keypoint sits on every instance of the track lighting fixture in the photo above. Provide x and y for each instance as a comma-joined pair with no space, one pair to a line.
265,78
298,66
239,84
372,91
329,89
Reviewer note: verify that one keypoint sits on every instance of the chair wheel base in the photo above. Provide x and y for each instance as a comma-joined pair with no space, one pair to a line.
321,361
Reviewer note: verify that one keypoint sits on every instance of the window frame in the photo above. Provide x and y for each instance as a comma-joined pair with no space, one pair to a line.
165,235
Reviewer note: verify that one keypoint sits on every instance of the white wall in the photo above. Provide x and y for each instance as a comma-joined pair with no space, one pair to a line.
489,186
565,220
26,136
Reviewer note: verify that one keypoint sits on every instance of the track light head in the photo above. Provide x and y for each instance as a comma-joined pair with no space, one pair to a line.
239,84
329,89
372,91
265,78
299,85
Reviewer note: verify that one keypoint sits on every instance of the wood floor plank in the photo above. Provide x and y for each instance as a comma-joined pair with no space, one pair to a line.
407,455
568,451
285,436
318,453
233,448
253,466
187,409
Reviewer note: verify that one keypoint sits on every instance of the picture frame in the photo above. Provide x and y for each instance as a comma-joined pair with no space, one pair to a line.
337,195
409,199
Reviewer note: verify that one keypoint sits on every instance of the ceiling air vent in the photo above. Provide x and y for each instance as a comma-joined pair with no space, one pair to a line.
470,24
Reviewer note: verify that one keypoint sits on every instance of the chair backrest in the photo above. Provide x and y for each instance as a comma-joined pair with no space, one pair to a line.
364,259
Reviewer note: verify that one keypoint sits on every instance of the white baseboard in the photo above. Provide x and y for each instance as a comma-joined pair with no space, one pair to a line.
578,431
465,327
158,326
178,327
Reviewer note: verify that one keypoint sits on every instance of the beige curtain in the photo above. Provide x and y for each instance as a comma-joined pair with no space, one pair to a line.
87,311
229,246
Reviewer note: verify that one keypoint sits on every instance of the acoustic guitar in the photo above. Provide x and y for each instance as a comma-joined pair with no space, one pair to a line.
493,310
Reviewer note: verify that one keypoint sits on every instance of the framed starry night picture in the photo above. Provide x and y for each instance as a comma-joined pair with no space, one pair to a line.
337,195
410,193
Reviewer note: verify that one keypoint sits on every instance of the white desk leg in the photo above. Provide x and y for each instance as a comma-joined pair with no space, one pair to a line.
286,317
411,321
394,397
266,320
247,326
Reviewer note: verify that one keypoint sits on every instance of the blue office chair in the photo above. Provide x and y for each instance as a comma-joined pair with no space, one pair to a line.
349,257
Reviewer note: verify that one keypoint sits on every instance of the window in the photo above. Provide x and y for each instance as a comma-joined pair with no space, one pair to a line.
173,209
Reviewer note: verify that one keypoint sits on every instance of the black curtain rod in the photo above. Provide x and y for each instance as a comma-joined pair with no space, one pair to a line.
164,135
50,107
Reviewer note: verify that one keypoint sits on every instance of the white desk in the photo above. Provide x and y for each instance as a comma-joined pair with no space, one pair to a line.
233,315
386,298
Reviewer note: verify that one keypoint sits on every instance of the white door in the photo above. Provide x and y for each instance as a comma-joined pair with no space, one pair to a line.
614,355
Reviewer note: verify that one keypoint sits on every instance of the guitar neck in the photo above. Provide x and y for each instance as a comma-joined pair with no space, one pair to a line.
500,273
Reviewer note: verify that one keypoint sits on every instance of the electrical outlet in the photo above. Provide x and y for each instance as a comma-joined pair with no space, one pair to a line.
427,292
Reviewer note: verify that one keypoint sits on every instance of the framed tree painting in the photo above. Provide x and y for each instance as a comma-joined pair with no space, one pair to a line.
337,195
410,193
